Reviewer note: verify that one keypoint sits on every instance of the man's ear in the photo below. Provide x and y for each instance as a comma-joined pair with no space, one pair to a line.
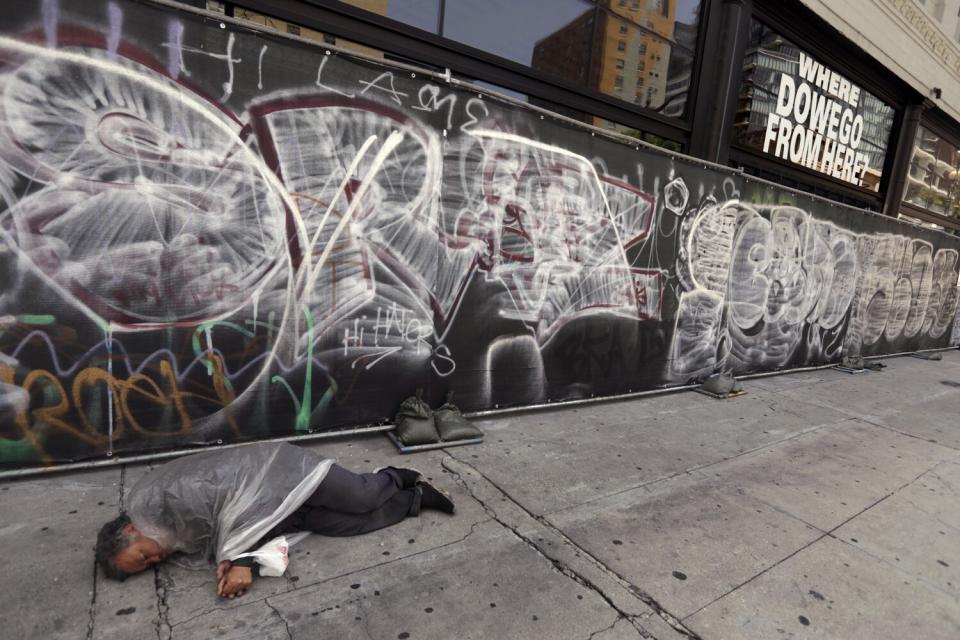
130,530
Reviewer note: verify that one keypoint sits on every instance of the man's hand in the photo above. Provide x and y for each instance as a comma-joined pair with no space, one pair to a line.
222,569
234,581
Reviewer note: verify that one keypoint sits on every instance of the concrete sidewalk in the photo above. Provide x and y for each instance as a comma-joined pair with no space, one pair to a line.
818,505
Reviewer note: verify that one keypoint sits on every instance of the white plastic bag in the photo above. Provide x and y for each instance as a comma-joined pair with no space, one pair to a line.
274,556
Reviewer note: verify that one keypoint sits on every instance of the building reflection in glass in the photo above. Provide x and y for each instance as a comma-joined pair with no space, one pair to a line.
934,179
640,51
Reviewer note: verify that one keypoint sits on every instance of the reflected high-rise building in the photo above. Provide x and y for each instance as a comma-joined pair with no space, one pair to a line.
632,50
638,51
568,53
635,53
679,73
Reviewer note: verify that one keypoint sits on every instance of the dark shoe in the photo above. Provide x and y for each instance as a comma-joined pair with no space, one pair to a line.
433,498
408,477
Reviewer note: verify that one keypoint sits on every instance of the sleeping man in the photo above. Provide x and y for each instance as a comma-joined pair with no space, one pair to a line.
211,508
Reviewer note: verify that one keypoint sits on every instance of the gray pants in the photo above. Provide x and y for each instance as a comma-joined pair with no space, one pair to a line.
348,504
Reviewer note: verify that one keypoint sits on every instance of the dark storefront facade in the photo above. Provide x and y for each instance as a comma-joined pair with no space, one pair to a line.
279,218
697,76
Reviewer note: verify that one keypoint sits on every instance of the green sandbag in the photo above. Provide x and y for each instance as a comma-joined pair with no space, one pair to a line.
452,425
415,422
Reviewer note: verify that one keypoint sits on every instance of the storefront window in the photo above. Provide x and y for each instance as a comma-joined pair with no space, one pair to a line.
799,109
646,136
422,14
512,29
641,52
934,180
660,16
260,19
656,52
596,121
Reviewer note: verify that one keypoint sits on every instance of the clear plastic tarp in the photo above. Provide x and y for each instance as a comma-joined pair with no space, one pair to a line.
214,506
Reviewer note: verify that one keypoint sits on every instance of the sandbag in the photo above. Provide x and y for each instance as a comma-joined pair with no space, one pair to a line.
415,422
451,425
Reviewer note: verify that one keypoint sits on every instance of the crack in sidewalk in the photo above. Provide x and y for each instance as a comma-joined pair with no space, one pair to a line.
286,625
123,482
93,603
163,608
560,565
608,627
96,574
632,621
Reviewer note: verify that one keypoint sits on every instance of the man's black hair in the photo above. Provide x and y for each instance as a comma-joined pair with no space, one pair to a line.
111,540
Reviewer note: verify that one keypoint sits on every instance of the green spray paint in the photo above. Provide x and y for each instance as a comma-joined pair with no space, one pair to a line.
16,451
36,319
207,329
303,406
27,319
20,450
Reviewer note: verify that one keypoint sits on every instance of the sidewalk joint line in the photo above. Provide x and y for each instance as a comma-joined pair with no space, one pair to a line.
809,544
247,603
920,578
706,465
561,566
898,568
908,435
786,513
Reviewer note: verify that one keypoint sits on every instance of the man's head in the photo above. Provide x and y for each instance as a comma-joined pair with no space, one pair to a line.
122,550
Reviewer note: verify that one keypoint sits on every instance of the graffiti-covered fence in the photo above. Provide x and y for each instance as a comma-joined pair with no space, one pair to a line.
212,234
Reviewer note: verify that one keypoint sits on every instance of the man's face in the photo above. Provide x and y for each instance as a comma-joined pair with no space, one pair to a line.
142,553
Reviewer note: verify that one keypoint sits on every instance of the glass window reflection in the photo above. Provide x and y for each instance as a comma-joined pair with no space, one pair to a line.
596,121
647,75
512,28
656,71
642,52
661,16
934,179
581,41
303,32
422,14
